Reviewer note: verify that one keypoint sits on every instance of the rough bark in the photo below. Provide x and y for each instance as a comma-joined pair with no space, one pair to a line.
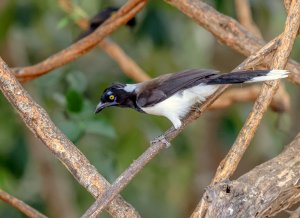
38,121
228,31
264,191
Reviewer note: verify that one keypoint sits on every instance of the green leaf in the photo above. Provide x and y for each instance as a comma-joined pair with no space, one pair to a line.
71,129
77,81
74,101
100,128
63,22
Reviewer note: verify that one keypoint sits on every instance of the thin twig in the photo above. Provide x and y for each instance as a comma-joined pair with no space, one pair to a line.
38,121
229,31
161,142
122,16
228,166
280,102
20,205
126,63
243,12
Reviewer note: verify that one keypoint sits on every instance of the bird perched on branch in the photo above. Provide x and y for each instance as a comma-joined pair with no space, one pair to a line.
173,95
100,18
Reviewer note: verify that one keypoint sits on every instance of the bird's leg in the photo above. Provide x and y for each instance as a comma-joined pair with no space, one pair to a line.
196,108
161,139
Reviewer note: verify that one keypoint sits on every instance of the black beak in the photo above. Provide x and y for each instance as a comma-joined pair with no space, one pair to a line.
101,106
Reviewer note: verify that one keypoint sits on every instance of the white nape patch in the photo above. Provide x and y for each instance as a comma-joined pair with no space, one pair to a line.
130,87
272,75
179,104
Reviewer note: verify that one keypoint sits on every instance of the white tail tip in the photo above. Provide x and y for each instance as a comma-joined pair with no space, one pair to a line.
272,75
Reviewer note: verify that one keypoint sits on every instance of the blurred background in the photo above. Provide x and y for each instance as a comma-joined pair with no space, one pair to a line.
163,41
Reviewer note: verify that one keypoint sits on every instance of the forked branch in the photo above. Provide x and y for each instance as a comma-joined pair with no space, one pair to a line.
232,159
229,31
81,47
38,121
162,142
126,63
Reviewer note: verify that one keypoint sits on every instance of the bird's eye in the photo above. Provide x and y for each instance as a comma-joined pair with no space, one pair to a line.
111,97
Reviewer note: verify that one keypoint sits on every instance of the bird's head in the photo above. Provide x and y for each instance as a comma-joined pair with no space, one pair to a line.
116,95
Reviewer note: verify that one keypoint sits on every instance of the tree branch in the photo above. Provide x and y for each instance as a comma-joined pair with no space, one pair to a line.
263,192
132,70
38,121
228,166
122,16
243,12
20,205
280,102
287,4
127,64
162,142
229,31
55,189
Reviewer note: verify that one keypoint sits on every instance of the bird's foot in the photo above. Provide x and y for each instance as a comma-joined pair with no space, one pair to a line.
196,108
161,139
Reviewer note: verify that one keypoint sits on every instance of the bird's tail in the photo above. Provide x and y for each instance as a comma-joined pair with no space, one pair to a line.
248,76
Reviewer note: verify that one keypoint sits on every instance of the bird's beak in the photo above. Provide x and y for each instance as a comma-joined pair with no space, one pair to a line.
101,106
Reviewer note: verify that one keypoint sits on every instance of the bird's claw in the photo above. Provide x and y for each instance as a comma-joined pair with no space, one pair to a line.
161,139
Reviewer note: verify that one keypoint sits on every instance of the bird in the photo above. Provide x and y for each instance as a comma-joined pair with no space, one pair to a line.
174,95
100,18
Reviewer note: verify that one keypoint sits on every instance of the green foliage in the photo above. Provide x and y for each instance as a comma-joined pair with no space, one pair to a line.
74,101
154,19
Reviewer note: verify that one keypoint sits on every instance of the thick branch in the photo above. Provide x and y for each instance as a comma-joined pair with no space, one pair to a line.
81,47
229,31
38,121
232,159
55,189
263,192
228,166
287,4
162,142
127,64
132,70
20,205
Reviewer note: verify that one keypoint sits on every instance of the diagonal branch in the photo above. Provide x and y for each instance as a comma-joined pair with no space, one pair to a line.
38,121
132,70
122,16
287,4
229,31
127,64
228,166
263,192
20,205
280,102
162,142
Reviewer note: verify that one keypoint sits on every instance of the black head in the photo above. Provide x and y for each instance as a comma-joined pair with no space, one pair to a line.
116,95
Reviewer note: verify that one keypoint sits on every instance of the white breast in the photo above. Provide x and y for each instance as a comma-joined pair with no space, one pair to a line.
179,104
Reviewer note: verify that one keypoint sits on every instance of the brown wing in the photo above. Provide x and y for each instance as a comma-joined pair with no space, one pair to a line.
160,88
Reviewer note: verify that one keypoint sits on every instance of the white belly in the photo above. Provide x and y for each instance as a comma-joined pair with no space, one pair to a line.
179,104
